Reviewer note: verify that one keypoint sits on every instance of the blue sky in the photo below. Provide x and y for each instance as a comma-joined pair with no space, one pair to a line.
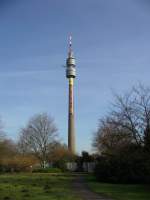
111,41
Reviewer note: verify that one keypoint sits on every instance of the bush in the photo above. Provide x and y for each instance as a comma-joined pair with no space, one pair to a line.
47,170
125,167
17,163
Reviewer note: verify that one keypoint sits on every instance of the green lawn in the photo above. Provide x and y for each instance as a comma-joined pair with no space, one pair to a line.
35,187
58,187
120,191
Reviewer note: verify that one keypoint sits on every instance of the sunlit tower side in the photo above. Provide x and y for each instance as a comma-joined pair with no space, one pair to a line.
71,74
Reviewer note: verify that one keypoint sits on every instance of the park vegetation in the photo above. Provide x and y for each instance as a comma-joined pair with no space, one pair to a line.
38,147
122,139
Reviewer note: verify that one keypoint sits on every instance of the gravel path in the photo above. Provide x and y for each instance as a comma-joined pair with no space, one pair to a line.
82,190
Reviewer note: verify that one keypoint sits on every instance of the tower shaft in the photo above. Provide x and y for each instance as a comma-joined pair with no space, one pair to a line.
71,125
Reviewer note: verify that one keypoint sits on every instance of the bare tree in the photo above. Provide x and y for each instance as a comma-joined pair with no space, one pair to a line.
129,119
2,133
109,138
36,137
132,111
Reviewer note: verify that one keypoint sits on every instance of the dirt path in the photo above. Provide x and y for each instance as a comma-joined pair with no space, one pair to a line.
82,190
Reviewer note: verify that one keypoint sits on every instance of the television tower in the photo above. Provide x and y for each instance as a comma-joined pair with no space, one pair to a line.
71,74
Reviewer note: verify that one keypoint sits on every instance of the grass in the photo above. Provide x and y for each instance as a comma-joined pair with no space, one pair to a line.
40,186
120,191
35,187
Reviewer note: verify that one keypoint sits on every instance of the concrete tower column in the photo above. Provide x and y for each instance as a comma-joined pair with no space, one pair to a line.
71,125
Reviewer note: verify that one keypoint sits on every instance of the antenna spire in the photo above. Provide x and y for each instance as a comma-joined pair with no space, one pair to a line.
70,53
